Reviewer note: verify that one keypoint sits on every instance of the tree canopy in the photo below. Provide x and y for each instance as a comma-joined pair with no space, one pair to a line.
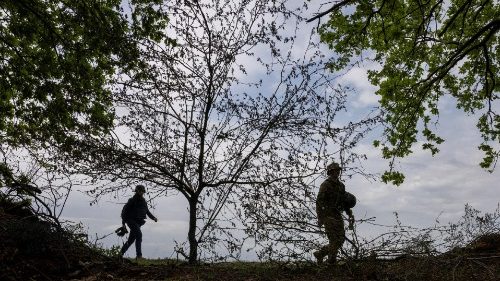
57,60
427,50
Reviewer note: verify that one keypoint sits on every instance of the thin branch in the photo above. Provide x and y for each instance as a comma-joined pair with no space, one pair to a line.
332,9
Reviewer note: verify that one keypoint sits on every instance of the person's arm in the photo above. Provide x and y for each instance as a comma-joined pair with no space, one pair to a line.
150,215
351,218
320,204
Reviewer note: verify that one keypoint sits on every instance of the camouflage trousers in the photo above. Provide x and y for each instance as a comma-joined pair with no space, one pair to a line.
334,228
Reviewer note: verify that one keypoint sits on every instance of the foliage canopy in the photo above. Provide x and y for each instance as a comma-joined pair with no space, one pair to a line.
427,50
57,59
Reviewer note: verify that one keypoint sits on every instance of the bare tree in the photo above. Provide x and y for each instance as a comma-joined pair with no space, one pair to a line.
202,121
40,188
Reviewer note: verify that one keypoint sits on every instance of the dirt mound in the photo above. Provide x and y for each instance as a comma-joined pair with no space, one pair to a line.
485,244
33,248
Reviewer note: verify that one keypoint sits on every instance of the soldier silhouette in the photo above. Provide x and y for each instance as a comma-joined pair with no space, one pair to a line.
330,203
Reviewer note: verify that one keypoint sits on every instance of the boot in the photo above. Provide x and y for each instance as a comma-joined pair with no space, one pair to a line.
319,257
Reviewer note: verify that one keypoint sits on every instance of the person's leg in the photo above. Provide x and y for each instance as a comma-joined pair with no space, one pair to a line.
131,238
138,242
328,250
334,228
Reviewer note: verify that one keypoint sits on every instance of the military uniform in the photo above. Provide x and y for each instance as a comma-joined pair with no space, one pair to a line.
329,210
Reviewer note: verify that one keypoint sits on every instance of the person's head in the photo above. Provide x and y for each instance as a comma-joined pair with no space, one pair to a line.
140,189
333,169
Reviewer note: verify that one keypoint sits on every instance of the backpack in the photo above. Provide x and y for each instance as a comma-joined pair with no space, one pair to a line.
127,210
349,201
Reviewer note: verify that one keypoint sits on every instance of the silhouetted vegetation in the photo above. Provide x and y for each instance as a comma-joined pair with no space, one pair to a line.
108,93
198,125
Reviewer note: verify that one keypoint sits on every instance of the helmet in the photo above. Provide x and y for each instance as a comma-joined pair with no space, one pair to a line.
349,201
140,187
333,166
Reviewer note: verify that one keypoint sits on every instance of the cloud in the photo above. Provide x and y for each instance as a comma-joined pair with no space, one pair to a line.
357,79
435,186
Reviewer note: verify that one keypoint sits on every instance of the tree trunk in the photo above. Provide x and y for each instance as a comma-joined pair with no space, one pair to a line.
193,243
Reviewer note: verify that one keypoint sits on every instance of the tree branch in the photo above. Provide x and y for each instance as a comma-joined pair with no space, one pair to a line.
333,8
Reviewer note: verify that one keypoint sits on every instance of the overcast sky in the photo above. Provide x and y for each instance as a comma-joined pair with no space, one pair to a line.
434,186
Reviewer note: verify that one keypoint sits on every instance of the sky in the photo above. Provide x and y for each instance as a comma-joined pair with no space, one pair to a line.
436,187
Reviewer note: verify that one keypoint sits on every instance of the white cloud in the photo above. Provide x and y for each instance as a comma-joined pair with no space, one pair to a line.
438,186
357,78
